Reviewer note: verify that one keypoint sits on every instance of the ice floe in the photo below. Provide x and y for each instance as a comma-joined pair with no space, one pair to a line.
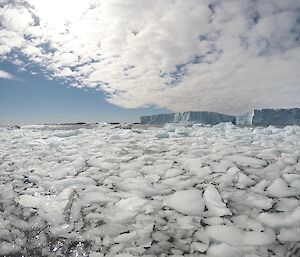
108,190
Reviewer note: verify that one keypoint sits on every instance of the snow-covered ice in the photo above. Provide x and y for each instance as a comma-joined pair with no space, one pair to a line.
176,190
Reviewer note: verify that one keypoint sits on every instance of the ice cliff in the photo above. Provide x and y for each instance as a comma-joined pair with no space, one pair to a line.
188,117
266,117
262,117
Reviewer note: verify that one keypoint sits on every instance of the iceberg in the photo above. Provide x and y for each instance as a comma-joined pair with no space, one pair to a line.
211,118
257,117
266,117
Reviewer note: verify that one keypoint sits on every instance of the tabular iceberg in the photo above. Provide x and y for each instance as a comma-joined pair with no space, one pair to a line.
188,117
266,117
262,117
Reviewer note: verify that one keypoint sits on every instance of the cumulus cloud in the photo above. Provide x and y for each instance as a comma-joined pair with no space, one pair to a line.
6,75
227,56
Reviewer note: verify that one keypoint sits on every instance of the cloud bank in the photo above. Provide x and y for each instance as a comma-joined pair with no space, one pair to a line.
6,75
226,56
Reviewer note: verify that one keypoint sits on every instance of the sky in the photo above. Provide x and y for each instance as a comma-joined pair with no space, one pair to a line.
32,99
91,60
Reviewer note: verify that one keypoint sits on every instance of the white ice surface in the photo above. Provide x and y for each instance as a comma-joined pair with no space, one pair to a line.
179,191
214,203
188,202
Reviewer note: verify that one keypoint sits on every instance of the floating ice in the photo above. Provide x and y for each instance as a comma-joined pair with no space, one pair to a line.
214,203
278,220
237,237
119,191
279,188
189,202
247,161
162,135
30,201
223,250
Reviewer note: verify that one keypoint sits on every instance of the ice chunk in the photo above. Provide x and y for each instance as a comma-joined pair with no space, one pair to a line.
173,172
185,222
74,182
189,202
70,133
258,238
139,185
160,236
100,163
213,221
237,237
251,199
287,204
296,185
160,135
182,131
61,230
289,235
245,222
260,187
244,181
201,241
230,177
291,177
278,220
126,209
214,203
152,178
198,247
193,165
126,237
51,208
30,201
203,172
169,127
279,188
97,197
247,161
223,166
223,250
225,234
8,248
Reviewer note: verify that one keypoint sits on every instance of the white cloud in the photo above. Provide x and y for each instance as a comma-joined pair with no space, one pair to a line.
6,75
227,56
16,19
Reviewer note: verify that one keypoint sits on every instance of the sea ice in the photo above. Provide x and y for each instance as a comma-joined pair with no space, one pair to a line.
114,190
237,237
189,202
279,188
279,220
223,250
247,161
214,203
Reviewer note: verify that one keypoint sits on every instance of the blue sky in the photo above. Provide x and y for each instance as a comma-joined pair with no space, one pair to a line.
116,57
32,99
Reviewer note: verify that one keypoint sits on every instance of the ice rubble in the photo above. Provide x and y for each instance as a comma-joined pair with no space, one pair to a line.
171,191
